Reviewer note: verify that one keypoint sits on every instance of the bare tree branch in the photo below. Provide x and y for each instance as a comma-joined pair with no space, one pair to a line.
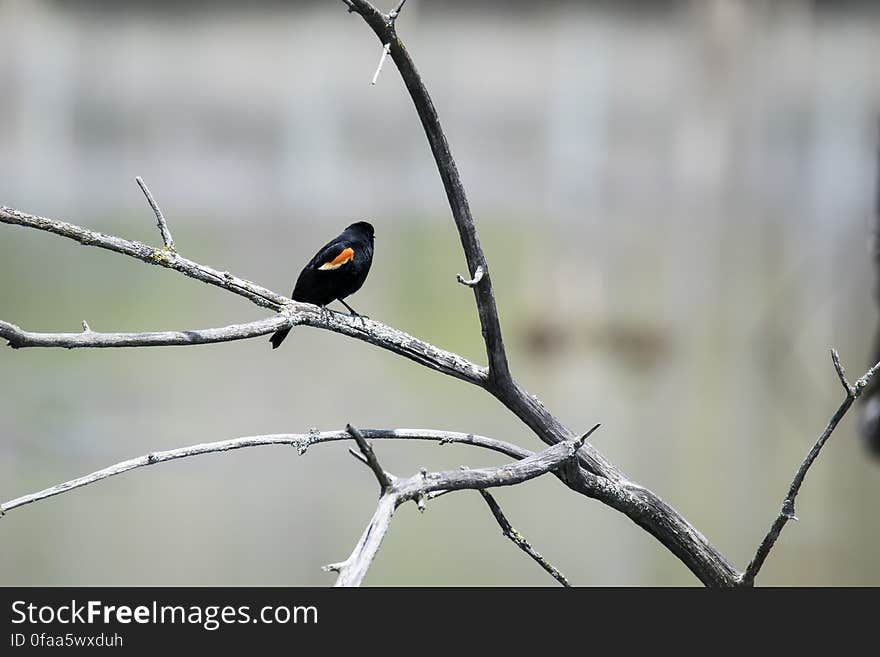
519,540
353,570
301,441
528,466
787,511
295,313
20,339
841,373
384,27
500,382
152,256
597,478
160,218
371,460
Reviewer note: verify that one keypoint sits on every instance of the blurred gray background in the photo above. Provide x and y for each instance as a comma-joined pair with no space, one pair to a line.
676,201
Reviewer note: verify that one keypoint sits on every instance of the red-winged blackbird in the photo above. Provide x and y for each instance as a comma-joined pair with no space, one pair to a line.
337,271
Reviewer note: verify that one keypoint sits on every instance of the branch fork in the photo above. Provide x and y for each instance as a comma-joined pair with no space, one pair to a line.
417,488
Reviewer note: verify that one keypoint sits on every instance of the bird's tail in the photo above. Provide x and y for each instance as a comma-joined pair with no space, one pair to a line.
278,337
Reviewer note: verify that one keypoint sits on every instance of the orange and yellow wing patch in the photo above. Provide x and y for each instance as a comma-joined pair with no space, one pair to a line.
346,255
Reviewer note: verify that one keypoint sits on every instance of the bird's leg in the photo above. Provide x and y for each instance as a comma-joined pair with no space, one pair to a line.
354,313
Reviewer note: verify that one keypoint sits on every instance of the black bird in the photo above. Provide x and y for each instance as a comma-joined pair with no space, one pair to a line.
338,270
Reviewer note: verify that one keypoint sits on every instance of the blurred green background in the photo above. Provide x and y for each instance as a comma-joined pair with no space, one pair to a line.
676,201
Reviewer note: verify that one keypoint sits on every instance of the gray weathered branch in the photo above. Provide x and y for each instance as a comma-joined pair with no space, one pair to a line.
301,441
597,477
152,256
786,513
353,570
384,27
394,492
20,339
293,313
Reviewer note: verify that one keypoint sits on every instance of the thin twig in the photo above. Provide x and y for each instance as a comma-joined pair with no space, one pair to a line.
519,540
863,382
298,314
471,282
394,13
152,256
160,218
363,459
381,476
358,456
841,373
385,50
787,512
